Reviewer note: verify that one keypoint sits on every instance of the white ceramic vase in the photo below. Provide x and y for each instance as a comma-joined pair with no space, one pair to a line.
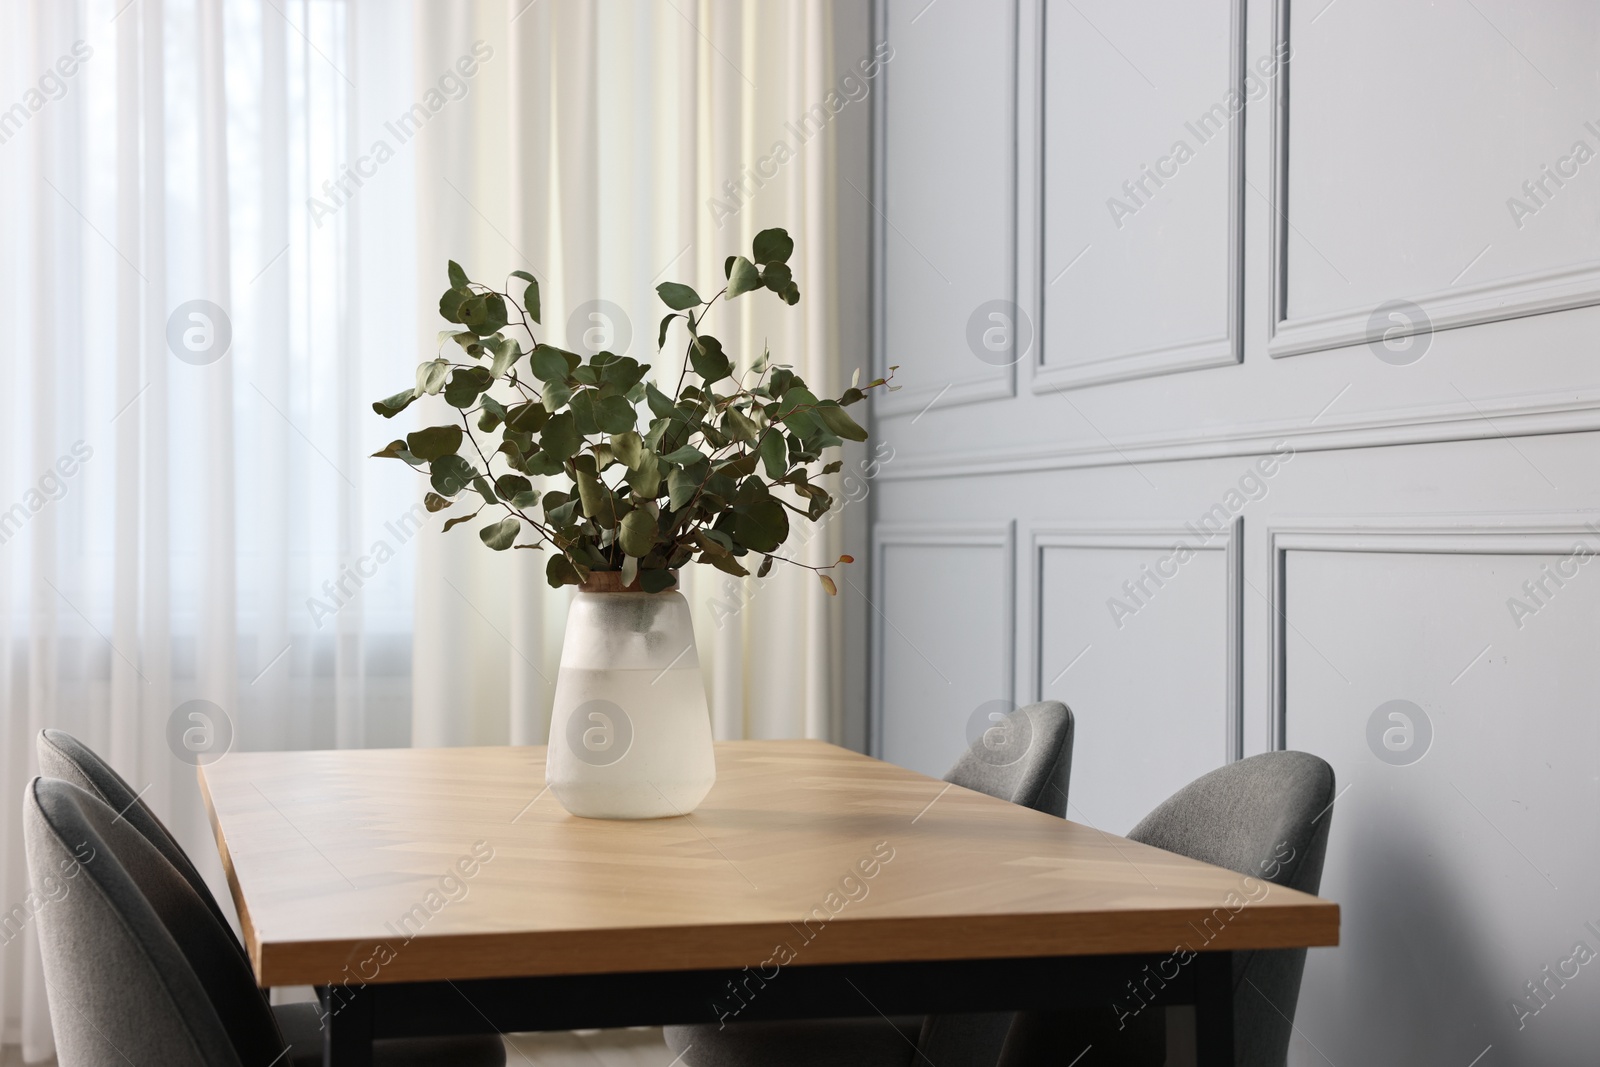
630,733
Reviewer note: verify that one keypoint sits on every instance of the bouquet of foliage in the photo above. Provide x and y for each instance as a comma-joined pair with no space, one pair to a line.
710,475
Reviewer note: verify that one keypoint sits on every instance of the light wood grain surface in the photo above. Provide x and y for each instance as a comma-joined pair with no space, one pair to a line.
426,864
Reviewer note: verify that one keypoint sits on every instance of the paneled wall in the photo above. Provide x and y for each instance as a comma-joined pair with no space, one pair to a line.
1250,401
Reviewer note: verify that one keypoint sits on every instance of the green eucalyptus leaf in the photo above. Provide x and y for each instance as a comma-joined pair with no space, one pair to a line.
654,581
741,466
598,502
728,564
434,442
551,364
681,487
645,479
582,406
466,385
743,278
708,359
530,295
484,315
458,277
435,502
766,565
494,413
389,407
450,303
561,571
525,499
739,426
509,486
678,297
774,454
560,437
627,447
500,535
630,570
661,335
431,376
458,520
638,533
397,450
556,395
776,276
542,464
717,538
772,246
661,405
761,526
528,417
449,475
687,456
836,420
506,353
615,415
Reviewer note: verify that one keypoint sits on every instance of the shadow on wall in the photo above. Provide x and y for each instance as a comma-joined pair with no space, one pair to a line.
1408,910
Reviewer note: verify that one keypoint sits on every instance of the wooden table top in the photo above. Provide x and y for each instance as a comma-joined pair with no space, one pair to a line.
426,864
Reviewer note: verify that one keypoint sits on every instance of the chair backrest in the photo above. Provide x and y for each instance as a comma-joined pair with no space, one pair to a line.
137,967
1266,816
65,757
1025,758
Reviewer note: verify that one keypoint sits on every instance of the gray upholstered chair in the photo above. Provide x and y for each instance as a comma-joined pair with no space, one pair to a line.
1266,816
65,757
1029,764
1027,760
137,952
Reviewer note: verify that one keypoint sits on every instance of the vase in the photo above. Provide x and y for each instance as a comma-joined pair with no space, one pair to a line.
630,732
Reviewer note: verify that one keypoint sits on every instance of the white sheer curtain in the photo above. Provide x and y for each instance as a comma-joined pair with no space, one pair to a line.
223,227
602,145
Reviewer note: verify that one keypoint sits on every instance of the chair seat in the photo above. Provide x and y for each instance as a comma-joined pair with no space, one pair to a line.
812,1043
302,1028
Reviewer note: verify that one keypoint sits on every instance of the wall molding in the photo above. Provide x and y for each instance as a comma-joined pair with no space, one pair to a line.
1476,534
977,387
1148,362
1156,537
1534,293
1001,535
1576,411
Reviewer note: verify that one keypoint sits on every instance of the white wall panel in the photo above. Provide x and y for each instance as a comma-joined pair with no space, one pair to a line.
1466,872
1143,139
1143,661
945,649
1464,177
946,210
1415,495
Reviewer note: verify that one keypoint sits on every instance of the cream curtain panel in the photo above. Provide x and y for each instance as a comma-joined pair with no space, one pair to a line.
223,230
607,147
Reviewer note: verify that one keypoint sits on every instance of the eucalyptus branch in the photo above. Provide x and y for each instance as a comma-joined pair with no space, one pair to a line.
572,407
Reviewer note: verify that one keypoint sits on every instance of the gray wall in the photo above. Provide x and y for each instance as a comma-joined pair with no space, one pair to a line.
853,42
1111,345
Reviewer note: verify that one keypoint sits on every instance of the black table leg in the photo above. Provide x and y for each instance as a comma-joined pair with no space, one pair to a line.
1213,1009
348,1026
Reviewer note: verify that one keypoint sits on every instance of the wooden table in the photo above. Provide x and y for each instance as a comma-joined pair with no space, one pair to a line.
429,891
